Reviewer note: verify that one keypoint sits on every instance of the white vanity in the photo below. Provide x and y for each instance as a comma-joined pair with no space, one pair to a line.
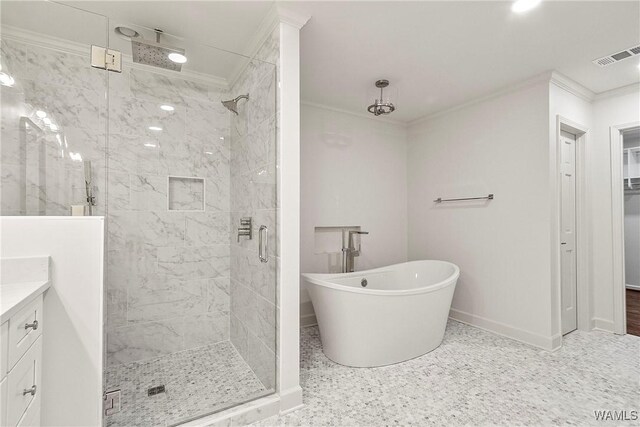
23,282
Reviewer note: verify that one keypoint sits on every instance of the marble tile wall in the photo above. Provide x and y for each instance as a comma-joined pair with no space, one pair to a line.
42,164
168,251
253,162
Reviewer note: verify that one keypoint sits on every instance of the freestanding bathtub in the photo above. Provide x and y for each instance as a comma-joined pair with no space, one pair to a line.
385,315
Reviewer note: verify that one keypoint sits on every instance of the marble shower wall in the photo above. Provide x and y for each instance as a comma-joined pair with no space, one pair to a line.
42,165
167,237
254,194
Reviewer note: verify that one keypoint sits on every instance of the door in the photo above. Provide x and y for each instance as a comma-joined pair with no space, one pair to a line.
568,232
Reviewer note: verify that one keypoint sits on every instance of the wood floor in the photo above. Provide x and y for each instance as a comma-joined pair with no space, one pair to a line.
633,312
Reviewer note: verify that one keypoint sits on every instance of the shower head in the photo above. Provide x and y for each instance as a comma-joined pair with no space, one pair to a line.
232,104
155,53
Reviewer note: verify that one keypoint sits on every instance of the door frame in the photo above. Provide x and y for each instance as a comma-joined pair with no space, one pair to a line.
617,225
583,299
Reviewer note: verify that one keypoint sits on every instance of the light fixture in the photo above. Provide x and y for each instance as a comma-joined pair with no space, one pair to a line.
521,6
155,128
6,79
380,106
222,138
53,127
47,121
150,144
167,107
41,114
178,58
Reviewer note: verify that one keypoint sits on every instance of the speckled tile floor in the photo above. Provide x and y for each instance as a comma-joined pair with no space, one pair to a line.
198,382
473,378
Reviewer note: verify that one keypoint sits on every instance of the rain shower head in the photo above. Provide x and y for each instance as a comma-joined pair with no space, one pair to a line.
156,54
232,104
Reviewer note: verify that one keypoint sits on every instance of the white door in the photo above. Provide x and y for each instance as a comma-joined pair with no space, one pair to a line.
568,232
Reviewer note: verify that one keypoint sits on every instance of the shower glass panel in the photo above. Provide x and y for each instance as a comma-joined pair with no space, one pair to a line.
53,109
191,308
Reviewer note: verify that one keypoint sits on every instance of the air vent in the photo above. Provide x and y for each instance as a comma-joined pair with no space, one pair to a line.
617,57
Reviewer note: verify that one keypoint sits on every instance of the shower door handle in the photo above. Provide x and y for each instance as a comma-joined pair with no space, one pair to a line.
263,243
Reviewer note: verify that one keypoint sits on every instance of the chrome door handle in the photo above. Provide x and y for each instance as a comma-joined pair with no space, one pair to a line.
263,243
31,391
33,325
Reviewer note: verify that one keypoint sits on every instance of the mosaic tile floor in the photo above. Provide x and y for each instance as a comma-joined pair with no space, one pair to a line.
198,382
474,378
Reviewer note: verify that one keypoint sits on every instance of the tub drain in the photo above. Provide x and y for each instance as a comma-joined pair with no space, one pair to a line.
364,283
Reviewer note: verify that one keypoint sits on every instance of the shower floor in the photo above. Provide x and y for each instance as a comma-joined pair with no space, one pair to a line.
197,382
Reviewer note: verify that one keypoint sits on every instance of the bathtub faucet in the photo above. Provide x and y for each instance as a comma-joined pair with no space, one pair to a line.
350,252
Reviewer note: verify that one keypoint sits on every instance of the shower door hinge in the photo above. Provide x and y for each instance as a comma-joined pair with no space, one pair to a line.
106,59
111,402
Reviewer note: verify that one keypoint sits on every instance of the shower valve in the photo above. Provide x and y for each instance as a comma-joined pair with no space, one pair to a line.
246,228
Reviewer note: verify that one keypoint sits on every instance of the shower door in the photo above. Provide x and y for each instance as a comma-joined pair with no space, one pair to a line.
190,292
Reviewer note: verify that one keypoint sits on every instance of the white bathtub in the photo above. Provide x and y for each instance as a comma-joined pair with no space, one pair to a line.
401,313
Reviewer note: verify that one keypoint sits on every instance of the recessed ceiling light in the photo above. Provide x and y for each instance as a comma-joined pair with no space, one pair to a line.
521,6
222,138
53,127
47,121
156,128
41,114
178,58
149,144
167,107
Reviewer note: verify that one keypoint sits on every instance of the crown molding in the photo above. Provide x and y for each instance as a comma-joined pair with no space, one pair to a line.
287,16
540,78
74,48
572,86
354,113
620,91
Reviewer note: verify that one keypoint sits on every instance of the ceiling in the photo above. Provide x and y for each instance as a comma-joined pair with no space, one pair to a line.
436,54
208,30
440,54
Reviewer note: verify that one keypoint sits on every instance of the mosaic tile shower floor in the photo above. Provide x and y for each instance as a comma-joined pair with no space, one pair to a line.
197,381
474,378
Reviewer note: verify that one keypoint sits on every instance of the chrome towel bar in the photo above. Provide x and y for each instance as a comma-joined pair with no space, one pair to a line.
440,199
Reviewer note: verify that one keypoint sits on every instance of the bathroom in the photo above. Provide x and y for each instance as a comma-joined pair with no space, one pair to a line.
256,213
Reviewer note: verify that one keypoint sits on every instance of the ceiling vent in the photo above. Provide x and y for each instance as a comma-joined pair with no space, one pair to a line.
617,57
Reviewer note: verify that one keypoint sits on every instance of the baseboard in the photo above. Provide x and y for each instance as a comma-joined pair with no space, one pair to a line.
632,287
290,399
546,343
307,315
602,325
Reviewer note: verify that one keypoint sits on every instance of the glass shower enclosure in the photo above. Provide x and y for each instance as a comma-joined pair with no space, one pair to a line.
186,183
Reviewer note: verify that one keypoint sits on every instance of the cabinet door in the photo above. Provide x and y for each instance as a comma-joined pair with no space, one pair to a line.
23,388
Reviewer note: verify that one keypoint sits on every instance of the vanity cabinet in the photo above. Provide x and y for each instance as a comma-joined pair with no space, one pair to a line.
21,364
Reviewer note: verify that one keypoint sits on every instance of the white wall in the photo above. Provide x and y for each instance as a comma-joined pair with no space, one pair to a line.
499,145
620,107
353,173
73,312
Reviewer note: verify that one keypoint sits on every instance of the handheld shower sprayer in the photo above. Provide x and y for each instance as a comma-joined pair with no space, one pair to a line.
91,200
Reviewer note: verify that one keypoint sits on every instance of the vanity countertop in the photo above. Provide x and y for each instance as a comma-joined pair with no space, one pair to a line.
14,296
21,281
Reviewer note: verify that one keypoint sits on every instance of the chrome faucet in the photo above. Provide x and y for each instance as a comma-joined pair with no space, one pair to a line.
350,252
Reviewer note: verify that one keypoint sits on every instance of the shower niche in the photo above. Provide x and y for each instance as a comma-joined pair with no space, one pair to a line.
185,194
